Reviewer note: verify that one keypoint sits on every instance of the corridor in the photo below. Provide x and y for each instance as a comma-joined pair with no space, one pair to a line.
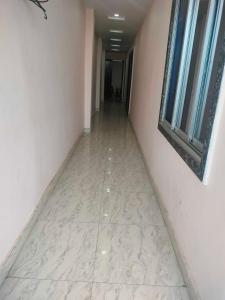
101,234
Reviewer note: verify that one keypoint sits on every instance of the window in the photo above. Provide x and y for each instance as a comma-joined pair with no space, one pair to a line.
193,74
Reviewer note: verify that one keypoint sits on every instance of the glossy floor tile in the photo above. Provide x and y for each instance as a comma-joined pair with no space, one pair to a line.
81,180
72,205
59,251
101,234
32,289
130,208
121,179
136,255
137,292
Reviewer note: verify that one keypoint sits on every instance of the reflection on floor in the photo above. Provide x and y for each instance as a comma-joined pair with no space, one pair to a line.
101,234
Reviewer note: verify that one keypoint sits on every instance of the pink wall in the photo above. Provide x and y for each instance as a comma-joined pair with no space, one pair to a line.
41,103
195,211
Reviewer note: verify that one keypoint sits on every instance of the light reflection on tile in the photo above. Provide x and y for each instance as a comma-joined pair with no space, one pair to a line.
136,255
134,180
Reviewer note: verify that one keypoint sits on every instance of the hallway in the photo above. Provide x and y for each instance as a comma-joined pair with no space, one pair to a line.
101,234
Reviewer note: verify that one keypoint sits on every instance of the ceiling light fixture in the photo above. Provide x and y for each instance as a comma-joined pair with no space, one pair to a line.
116,15
116,40
116,18
114,45
116,31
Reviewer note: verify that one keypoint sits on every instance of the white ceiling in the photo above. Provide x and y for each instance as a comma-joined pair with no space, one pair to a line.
133,10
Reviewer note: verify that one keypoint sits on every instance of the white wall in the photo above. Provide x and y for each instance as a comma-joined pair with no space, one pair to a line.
94,75
196,212
41,103
103,75
98,73
89,62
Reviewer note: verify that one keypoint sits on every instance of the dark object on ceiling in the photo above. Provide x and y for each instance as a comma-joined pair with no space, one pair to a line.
39,4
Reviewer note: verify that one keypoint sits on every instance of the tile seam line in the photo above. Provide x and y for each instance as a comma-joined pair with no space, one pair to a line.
97,282
107,223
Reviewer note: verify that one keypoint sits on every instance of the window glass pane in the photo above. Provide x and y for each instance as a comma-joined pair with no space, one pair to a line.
205,124
203,131
176,59
195,62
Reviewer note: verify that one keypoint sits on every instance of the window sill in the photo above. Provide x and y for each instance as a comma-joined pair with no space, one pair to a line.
191,156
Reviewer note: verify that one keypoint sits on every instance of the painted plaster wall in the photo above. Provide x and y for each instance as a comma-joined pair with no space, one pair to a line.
89,62
196,212
41,103
94,75
98,73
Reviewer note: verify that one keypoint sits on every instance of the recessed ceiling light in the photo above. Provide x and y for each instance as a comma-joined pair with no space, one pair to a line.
116,40
116,31
114,45
116,18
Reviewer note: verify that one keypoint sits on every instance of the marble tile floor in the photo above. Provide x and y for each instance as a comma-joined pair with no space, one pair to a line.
101,234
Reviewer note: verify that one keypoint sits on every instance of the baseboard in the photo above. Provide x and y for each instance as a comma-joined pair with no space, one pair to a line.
9,261
192,291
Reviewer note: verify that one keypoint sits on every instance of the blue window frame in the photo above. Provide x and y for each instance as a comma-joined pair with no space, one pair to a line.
193,74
